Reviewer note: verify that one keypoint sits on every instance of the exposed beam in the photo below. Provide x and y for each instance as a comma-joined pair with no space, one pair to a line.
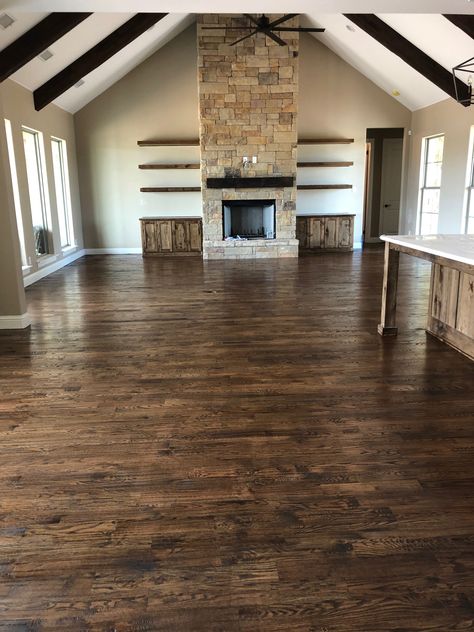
463,22
413,56
95,57
36,40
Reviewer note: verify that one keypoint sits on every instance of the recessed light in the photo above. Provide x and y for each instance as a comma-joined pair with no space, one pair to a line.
350,28
395,93
80,83
45,55
6,20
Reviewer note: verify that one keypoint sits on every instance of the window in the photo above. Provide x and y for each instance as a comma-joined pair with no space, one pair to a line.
36,189
430,184
469,227
63,197
16,192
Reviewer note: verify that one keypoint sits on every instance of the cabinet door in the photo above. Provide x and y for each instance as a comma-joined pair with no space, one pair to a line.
330,232
316,232
302,231
165,242
149,237
180,236
344,232
195,236
465,321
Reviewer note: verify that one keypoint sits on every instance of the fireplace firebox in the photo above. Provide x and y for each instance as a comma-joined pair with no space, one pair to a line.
248,219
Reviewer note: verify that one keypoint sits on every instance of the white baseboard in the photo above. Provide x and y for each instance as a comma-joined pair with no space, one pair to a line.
15,322
57,265
113,251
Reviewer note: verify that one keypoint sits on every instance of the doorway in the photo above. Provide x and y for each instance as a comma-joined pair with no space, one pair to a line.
383,183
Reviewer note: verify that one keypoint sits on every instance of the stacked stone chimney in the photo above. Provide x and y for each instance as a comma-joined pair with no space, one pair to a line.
248,97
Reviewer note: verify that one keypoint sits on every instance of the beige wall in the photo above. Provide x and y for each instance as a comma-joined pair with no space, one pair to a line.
12,294
51,121
455,121
17,106
337,101
156,100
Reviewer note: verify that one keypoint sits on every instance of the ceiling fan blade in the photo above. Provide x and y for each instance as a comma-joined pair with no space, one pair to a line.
274,37
252,19
244,37
228,28
289,16
302,29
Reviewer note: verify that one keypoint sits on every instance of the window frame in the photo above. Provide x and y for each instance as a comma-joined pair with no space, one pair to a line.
65,192
469,185
423,176
16,194
43,188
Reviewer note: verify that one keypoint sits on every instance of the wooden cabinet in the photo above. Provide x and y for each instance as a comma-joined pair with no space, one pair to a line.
325,232
451,310
167,236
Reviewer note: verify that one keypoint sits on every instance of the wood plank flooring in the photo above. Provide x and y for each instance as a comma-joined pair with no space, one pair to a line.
231,447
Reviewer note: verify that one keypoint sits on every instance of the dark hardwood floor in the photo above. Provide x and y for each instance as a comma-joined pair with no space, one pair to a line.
231,447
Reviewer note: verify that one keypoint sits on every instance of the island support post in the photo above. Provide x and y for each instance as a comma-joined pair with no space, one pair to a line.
387,326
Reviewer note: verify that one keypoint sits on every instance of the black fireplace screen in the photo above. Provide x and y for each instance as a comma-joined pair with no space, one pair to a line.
248,219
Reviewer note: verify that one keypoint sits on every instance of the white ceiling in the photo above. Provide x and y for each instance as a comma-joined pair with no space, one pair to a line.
78,41
244,6
431,32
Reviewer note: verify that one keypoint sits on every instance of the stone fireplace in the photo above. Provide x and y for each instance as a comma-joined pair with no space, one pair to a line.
248,107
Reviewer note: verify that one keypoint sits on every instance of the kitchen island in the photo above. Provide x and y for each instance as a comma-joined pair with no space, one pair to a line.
451,302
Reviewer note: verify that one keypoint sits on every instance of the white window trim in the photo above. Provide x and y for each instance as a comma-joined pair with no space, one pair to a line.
67,194
45,258
469,183
423,169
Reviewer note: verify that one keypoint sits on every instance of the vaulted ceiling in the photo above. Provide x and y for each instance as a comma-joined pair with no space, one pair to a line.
431,32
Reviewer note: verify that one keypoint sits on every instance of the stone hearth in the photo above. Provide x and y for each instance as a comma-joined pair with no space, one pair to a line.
248,106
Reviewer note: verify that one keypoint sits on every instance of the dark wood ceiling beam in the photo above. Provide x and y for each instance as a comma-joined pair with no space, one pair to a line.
411,54
36,40
463,22
95,57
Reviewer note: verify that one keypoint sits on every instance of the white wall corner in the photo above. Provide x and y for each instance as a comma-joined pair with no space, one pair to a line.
15,322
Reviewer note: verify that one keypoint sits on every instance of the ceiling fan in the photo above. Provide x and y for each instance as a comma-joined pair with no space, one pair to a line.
263,25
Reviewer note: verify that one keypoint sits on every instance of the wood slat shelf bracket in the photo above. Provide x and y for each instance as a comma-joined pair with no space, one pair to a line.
194,142
193,165
325,164
325,141
309,187
169,189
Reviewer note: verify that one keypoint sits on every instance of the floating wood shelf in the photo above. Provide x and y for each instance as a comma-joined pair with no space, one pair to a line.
325,164
193,165
194,142
169,189
309,187
325,141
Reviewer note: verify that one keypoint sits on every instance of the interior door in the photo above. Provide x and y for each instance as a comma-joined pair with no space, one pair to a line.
392,155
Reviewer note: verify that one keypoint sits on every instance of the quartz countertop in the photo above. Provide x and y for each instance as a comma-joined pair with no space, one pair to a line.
455,247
